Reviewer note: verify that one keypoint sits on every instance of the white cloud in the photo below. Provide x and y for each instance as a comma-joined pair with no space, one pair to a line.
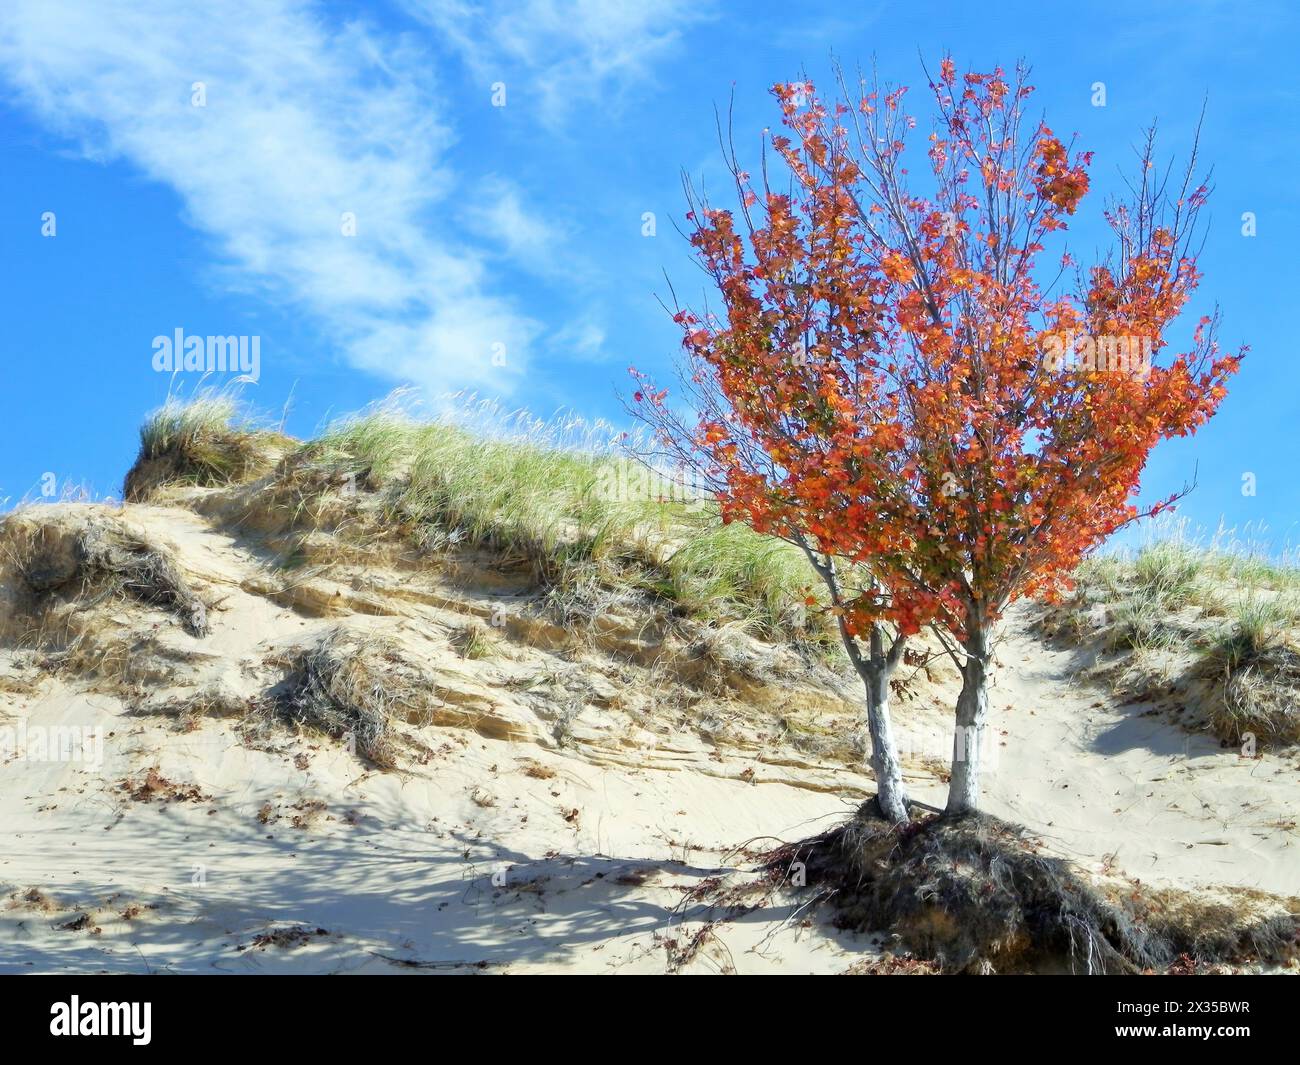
498,212
567,51
304,121
582,340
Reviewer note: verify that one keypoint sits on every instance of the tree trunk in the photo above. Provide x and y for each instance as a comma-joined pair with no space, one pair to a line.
875,668
968,735
891,796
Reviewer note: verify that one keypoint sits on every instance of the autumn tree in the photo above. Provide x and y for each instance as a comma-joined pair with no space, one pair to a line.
900,379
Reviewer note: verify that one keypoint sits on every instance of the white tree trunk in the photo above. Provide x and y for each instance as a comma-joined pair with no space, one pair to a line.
891,796
875,668
968,735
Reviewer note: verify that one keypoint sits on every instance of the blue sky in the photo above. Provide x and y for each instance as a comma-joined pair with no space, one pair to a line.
500,248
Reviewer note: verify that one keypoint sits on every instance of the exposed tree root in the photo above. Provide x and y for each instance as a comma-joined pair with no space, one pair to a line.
976,894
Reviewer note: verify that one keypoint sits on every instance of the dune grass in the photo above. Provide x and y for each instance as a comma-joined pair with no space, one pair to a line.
1254,658
205,439
75,566
354,687
1169,571
564,496
1255,625
1144,594
1175,570
180,424
575,511
1228,604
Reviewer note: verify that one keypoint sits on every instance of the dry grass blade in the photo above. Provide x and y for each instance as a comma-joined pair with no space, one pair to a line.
141,571
355,687
97,559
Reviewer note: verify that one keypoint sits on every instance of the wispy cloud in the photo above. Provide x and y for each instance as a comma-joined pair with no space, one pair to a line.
305,121
567,51
582,341
498,211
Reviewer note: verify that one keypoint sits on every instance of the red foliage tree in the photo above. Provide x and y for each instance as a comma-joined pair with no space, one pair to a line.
901,385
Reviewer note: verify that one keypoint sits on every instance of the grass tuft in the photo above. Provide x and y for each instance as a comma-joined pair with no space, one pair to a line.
1259,671
78,566
207,439
355,686
1189,611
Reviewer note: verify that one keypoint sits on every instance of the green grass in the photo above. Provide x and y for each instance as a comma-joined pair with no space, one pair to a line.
1140,624
1167,572
1143,594
562,497
1101,577
1173,572
474,642
732,564
181,424
1256,624
1258,668
1229,604
570,511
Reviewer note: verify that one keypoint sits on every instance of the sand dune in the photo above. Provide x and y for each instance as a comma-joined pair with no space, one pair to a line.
554,806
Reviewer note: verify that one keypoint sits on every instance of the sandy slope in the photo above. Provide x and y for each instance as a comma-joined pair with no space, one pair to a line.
1119,784
520,845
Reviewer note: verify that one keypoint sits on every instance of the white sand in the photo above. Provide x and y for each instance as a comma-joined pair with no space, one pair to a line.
591,843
